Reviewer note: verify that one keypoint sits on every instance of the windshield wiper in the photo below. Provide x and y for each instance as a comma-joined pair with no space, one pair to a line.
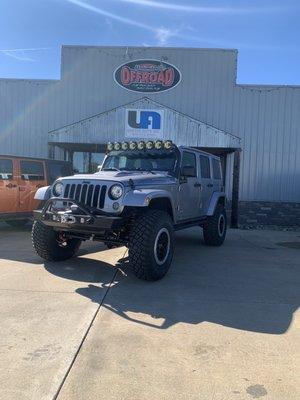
111,169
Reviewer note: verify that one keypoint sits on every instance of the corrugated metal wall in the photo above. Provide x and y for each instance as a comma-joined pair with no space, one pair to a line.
266,118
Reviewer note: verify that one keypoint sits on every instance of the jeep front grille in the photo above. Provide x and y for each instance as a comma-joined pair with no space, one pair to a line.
90,195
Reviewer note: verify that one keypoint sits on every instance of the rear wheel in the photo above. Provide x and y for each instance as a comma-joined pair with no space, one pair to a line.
52,245
214,231
17,223
151,245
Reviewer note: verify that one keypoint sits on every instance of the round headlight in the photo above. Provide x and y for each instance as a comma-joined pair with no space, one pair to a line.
58,189
115,192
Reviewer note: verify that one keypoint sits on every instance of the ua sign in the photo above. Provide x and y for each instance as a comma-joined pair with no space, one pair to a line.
144,124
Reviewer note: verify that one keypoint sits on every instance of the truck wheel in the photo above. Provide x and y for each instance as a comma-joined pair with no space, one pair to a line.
52,245
17,223
214,230
151,245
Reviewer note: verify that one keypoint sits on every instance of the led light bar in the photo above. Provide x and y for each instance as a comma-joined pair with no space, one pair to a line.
141,145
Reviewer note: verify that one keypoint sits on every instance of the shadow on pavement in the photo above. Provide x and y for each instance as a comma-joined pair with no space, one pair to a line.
237,286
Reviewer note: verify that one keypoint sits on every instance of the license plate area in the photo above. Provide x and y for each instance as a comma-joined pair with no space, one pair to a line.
70,219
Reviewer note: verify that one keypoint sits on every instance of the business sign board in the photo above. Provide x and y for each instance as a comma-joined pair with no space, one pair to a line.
144,124
147,76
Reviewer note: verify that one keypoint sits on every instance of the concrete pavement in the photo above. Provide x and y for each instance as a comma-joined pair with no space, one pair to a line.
223,324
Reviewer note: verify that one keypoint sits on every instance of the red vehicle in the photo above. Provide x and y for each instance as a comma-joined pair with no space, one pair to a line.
20,177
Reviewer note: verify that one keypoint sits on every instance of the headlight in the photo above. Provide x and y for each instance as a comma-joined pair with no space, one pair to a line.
58,189
117,146
115,192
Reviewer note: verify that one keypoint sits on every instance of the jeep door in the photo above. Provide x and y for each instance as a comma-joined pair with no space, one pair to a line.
9,191
32,177
207,186
189,189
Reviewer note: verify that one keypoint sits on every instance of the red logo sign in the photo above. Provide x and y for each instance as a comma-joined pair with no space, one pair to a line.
147,76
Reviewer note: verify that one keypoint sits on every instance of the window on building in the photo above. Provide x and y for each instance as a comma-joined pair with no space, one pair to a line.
205,167
6,169
32,170
216,169
58,169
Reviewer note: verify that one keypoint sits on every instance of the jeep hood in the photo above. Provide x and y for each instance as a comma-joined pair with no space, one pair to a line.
138,178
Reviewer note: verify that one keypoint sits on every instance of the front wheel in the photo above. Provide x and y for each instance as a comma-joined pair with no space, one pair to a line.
151,245
52,245
214,230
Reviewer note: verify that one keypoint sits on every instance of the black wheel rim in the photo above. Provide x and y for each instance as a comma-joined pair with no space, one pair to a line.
162,246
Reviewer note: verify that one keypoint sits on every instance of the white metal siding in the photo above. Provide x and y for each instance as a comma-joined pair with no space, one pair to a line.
266,118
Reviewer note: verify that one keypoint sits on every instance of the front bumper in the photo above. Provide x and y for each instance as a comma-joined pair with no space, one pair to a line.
83,220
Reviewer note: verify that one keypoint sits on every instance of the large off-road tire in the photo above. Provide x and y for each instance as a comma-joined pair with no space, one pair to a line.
17,223
214,230
151,245
48,244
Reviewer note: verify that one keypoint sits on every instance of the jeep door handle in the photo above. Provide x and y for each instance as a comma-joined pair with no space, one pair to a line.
10,186
209,185
197,184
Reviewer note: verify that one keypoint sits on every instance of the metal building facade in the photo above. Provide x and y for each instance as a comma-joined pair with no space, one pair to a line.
265,118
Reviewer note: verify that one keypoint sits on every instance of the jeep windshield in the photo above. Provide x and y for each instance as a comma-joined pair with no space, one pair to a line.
150,161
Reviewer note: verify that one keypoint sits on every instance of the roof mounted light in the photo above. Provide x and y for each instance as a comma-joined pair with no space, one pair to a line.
133,145
149,145
158,144
168,144
141,145
117,146
110,146
125,146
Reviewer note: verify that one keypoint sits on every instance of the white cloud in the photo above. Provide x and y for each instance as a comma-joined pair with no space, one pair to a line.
163,35
204,9
22,54
190,8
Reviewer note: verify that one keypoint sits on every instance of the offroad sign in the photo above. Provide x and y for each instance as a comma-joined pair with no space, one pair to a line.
147,76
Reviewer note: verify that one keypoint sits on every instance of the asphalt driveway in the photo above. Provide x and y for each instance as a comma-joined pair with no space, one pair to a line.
223,324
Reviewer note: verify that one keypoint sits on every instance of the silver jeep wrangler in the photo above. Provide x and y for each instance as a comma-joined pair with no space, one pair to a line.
143,192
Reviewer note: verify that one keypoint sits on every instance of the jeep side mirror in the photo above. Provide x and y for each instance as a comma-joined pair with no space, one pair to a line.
188,171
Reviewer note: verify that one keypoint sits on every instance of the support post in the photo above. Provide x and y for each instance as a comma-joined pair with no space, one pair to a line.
235,189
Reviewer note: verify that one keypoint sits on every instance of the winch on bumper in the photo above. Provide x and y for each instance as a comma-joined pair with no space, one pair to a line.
73,216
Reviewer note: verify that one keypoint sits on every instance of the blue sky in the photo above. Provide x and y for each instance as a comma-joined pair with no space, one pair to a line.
266,33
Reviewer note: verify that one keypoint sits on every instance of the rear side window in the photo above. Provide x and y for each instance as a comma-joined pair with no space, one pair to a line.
205,167
32,170
58,169
6,169
216,169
